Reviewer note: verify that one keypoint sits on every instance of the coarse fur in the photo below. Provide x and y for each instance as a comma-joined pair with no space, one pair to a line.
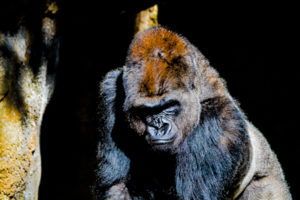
208,151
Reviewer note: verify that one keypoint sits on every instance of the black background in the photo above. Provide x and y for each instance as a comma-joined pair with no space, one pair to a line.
251,45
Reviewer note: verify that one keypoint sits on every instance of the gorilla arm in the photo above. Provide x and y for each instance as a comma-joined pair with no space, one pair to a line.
113,164
264,179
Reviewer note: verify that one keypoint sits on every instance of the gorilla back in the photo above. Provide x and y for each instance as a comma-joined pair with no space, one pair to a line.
170,130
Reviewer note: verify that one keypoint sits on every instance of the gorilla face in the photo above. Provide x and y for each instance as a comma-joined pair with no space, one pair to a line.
164,121
158,120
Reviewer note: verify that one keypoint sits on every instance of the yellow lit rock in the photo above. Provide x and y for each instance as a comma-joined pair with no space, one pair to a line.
146,19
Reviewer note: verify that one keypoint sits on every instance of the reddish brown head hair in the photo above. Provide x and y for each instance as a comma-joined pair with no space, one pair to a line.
159,53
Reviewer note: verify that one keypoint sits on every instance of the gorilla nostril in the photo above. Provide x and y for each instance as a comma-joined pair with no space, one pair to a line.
164,129
159,129
152,130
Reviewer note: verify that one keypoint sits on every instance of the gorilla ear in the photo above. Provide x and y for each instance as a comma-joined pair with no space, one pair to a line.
108,93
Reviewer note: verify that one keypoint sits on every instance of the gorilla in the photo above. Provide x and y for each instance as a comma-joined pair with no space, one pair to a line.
170,130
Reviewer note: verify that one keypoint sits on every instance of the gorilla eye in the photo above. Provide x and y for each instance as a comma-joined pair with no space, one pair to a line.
173,110
170,107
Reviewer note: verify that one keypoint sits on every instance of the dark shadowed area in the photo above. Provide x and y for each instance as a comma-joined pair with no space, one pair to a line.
250,45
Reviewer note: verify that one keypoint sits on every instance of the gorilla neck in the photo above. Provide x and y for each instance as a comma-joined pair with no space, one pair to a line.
213,156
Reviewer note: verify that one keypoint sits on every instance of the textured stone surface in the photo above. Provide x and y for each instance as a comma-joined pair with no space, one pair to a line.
146,19
25,89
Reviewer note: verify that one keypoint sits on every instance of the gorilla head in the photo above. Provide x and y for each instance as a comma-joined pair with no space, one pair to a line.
161,100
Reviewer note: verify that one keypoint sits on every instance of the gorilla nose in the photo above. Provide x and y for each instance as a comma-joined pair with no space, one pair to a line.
160,132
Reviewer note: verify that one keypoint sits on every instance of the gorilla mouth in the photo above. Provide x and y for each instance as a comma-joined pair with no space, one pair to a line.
160,139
